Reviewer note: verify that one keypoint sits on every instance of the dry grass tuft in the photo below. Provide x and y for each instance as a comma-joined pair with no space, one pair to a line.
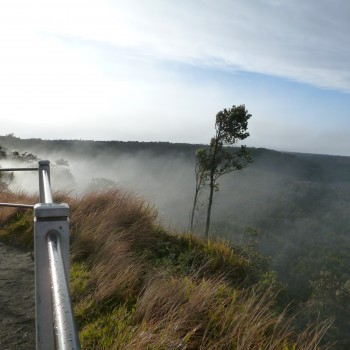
185,313
16,224
118,275
98,217
106,230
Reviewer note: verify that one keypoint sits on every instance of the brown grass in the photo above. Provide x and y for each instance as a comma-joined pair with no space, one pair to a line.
20,197
136,286
16,224
207,314
103,220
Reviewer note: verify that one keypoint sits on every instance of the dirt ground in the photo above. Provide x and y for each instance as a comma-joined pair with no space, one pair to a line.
17,319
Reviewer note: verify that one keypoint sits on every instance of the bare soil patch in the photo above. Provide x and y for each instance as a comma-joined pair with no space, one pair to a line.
17,305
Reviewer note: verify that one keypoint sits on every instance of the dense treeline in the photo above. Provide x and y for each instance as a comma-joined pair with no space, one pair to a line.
94,148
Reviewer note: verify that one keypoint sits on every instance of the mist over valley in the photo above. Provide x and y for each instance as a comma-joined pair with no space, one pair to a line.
163,173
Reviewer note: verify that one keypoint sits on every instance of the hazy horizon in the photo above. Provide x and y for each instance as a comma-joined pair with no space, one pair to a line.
284,150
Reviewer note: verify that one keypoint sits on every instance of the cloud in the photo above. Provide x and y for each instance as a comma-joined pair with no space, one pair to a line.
156,70
303,41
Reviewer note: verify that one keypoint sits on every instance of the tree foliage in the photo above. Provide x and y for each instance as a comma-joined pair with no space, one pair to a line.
220,158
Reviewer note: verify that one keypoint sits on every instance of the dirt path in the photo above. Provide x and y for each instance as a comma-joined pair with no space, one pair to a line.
17,320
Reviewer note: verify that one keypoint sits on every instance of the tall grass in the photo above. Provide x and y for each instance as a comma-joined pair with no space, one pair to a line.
16,225
136,286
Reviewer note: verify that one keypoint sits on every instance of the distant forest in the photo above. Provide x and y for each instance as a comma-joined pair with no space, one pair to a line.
294,207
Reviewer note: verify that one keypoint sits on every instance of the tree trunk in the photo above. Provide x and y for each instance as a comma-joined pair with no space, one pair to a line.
212,183
194,209
210,203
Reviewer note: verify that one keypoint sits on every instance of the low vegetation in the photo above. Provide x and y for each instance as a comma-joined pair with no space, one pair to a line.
137,286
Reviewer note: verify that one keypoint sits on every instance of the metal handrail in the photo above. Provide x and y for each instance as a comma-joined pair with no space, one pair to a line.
19,169
61,302
55,319
29,206
47,195
44,182
55,325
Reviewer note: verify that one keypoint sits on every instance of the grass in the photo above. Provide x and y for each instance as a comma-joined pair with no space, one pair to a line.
135,285
16,225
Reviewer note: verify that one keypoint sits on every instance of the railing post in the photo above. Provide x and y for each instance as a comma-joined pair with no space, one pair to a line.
44,165
48,217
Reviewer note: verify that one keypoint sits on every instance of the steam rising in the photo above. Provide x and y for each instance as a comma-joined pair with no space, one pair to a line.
282,193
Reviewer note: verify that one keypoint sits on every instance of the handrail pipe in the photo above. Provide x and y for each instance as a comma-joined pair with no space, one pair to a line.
65,329
44,182
54,319
55,326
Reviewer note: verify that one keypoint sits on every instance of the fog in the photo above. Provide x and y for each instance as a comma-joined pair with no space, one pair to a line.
282,194
162,181
166,181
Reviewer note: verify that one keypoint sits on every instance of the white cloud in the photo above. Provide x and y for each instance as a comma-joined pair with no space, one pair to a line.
305,41
105,69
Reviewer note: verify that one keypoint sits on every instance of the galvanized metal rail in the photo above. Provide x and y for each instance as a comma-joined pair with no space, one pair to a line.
19,169
28,206
65,335
55,324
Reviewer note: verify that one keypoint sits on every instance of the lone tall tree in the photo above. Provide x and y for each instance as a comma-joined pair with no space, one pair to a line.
219,158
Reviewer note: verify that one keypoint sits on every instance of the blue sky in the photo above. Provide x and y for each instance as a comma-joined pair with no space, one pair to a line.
156,70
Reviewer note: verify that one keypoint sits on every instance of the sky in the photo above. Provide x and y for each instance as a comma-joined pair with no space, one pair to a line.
155,70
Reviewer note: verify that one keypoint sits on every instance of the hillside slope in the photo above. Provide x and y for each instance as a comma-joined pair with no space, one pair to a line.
137,286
